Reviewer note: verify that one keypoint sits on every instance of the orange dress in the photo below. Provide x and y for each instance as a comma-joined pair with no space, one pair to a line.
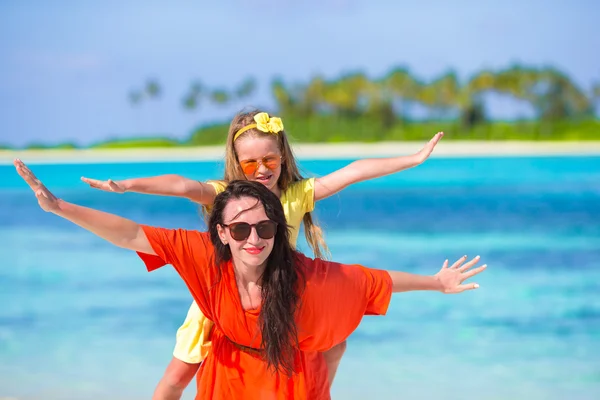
333,303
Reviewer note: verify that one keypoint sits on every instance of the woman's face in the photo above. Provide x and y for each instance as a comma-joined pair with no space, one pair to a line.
260,155
253,250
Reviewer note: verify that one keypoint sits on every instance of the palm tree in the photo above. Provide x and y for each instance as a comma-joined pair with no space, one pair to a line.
286,102
401,88
345,95
596,94
311,97
152,89
470,101
443,94
191,100
596,91
556,97
220,97
246,88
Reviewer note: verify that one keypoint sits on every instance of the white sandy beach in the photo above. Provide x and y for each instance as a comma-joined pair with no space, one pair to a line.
307,151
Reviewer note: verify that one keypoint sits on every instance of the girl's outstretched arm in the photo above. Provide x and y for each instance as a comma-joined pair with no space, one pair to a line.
117,230
370,168
164,185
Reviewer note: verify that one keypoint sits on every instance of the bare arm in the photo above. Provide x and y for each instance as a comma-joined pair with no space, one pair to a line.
447,280
117,230
406,282
163,185
370,168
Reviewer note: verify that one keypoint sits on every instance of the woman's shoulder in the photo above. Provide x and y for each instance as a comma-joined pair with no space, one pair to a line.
191,235
193,242
315,269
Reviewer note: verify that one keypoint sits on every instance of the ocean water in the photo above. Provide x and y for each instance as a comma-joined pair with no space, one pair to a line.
81,319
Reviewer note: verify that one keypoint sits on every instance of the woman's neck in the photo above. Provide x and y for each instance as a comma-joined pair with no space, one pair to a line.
248,273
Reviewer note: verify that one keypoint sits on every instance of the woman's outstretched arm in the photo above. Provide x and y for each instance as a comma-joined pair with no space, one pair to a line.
447,280
120,231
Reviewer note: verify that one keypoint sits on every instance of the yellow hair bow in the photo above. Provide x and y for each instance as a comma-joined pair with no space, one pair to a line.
264,123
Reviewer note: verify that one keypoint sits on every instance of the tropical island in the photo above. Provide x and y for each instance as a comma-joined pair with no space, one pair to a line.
356,108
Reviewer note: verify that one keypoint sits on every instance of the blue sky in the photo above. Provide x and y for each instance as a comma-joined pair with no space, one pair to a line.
67,66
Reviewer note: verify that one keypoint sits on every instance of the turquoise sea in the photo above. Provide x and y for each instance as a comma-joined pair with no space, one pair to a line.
81,319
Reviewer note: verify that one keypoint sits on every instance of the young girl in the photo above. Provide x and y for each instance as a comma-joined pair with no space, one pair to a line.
257,149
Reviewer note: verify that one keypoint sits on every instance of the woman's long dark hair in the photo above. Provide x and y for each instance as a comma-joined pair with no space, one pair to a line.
281,281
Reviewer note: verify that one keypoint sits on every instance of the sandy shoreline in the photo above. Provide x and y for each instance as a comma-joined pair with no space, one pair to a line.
306,152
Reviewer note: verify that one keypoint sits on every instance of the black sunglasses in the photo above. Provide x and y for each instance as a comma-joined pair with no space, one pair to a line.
241,230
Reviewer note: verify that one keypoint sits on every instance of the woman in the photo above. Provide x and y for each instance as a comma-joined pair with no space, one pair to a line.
274,309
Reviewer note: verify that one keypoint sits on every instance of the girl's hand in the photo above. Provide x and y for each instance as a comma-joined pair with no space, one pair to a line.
107,186
425,152
451,279
47,201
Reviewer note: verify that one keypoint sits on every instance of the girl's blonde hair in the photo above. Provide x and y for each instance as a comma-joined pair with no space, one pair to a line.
289,172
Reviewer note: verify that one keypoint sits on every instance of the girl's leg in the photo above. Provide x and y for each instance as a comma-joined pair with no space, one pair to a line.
177,377
333,357
191,347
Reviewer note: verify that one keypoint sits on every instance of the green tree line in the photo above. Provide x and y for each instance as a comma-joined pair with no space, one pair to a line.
355,107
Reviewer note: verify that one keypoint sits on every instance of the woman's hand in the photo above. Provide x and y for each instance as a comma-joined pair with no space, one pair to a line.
47,201
107,186
451,278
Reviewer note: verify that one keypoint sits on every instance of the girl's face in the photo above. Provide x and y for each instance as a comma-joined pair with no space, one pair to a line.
260,159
